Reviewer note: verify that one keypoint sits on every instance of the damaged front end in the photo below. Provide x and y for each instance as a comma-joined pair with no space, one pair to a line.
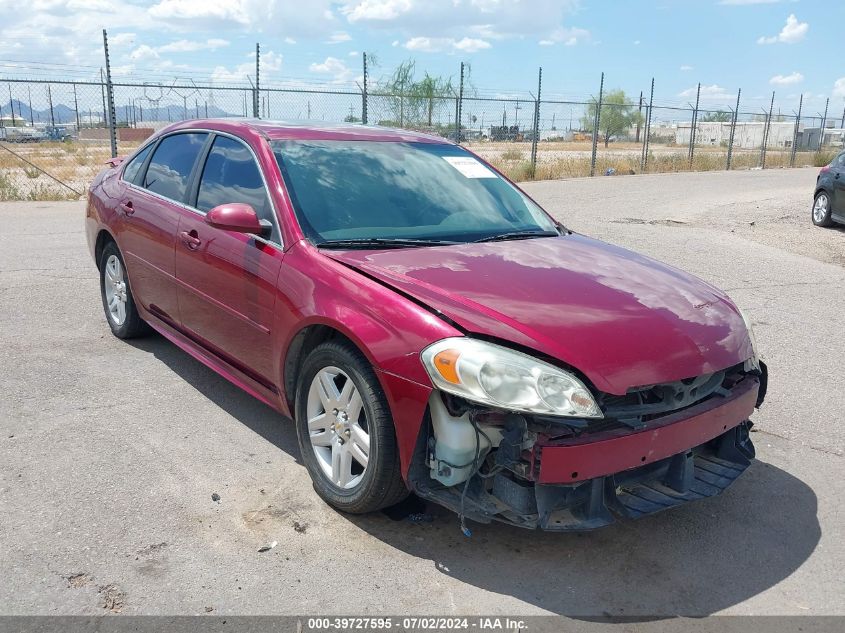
655,448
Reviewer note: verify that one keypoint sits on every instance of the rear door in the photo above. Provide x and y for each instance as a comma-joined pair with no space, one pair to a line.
150,207
227,280
838,168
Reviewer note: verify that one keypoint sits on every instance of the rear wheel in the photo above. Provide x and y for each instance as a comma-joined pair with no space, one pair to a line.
118,302
821,209
346,432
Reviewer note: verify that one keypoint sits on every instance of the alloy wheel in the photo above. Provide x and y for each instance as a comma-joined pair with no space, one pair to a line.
115,288
337,427
820,208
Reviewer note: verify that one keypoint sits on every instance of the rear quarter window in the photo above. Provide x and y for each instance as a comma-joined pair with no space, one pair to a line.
130,172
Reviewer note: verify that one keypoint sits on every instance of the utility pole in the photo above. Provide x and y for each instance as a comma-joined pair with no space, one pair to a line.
647,140
29,94
12,106
75,107
458,107
50,102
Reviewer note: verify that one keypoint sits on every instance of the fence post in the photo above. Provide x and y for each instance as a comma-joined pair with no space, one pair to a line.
596,122
733,131
824,122
639,117
647,140
693,126
110,91
766,133
536,136
255,109
29,95
364,94
795,133
458,107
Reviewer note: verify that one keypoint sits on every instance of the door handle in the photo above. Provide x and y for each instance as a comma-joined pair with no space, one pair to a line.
190,239
127,207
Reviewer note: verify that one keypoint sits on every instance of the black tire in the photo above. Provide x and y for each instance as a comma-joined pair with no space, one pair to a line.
381,484
826,220
132,325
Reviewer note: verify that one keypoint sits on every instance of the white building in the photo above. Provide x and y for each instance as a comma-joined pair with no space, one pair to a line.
748,134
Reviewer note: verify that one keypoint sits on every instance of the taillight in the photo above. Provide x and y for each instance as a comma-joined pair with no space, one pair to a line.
825,169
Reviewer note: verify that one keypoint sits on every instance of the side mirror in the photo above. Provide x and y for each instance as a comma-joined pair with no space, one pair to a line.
238,217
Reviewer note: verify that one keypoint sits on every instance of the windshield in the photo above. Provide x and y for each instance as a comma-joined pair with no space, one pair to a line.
375,190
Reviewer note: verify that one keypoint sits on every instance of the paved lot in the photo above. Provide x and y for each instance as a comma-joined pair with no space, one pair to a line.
110,451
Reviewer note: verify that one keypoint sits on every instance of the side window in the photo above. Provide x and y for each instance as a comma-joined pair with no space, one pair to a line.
130,172
171,165
232,175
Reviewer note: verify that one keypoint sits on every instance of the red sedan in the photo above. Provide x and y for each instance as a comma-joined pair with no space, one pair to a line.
426,324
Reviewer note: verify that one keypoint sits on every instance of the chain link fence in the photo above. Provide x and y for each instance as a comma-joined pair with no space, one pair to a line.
56,135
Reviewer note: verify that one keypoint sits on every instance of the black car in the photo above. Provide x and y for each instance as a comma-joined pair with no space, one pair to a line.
829,203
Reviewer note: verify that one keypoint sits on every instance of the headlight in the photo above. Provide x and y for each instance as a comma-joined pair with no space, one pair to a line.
752,363
500,377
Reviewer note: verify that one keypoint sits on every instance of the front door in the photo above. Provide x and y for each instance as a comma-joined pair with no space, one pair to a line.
227,280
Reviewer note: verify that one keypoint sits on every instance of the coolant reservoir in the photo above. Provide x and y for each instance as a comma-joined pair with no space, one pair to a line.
455,443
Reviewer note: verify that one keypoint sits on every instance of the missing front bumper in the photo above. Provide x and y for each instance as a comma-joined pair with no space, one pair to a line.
701,472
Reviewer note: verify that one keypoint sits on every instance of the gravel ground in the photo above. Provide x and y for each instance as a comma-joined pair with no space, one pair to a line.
110,451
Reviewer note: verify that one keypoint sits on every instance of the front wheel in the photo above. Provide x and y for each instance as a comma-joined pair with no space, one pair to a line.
821,209
345,431
118,302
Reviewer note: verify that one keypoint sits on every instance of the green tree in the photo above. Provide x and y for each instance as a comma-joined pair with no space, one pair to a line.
617,115
412,101
719,116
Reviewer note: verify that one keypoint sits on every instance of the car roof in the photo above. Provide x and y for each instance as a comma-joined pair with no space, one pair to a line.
310,130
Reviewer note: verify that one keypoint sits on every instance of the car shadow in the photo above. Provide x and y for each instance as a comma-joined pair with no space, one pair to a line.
262,419
694,560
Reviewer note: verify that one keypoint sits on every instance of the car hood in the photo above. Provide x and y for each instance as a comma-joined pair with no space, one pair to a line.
622,319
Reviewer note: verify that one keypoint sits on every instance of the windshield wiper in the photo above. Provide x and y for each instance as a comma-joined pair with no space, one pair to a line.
385,242
518,235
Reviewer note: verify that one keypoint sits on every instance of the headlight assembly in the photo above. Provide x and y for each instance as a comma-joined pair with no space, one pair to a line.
500,377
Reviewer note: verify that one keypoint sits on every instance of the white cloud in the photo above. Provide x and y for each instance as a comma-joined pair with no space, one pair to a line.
792,33
271,63
446,44
473,19
143,53
745,2
471,45
787,80
839,87
339,37
376,10
189,46
686,68
713,92
337,68
636,42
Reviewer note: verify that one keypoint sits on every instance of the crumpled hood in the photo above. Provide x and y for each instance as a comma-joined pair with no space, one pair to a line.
622,319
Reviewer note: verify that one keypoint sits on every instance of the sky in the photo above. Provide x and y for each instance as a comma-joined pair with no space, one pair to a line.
760,46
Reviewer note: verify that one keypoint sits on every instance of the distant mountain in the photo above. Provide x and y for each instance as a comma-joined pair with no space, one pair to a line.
66,114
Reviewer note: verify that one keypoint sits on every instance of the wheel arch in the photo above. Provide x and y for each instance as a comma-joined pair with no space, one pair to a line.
303,342
103,238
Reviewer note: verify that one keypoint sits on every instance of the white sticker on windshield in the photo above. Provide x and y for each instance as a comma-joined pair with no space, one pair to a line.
469,167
